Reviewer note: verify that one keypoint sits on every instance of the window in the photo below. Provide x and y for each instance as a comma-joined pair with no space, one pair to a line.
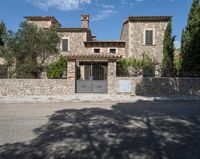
149,37
65,45
96,50
113,51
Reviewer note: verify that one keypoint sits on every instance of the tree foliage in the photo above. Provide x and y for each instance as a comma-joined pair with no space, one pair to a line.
5,52
168,52
56,69
32,46
190,43
2,33
177,62
136,67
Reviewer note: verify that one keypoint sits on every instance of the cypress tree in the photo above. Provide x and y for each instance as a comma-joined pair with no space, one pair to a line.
184,56
190,44
168,52
2,32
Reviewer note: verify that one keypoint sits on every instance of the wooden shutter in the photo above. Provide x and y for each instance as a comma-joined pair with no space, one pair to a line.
65,45
149,37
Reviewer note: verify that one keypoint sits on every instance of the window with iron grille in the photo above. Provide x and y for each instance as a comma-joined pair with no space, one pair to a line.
113,51
65,45
96,50
149,37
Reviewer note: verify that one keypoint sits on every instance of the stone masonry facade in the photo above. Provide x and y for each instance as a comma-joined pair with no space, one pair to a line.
80,41
71,77
168,86
34,87
133,32
76,40
138,48
42,24
111,77
139,86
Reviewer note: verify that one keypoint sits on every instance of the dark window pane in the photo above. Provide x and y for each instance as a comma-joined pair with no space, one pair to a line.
65,45
96,50
113,51
99,71
149,37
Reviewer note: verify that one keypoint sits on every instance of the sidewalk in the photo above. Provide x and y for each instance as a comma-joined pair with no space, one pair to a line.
88,98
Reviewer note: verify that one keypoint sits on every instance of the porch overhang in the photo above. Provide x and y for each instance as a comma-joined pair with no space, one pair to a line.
93,56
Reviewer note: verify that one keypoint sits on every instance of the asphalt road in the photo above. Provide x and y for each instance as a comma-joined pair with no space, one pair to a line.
159,129
17,121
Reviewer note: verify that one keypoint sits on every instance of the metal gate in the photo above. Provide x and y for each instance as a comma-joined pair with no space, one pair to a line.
91,77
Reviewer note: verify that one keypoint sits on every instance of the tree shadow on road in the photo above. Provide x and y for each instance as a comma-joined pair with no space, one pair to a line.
146,130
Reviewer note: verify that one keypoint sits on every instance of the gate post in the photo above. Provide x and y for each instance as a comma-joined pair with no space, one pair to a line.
111,77
71,77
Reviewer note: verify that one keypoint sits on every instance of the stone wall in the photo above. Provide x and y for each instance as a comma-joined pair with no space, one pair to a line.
133,33
42,24
103,50
76,44
125,37
161,86
111,77
138,86
36,87
76,40
137,47
2,61
71,77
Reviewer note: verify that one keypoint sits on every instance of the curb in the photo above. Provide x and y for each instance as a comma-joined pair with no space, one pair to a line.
91,99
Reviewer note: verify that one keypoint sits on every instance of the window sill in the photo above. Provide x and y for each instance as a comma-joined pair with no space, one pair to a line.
65,51
150,45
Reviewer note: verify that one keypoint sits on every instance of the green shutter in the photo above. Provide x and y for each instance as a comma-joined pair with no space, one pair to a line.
65,45
149,37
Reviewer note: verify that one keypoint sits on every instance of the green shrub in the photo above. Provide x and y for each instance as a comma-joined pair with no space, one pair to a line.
56,69
3,71
135,67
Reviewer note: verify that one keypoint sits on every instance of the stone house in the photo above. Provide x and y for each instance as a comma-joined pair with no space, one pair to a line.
144,35
96,59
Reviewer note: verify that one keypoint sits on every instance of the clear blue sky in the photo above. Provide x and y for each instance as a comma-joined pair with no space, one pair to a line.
107,16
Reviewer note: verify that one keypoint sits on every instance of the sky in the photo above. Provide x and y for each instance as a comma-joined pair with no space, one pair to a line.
106,16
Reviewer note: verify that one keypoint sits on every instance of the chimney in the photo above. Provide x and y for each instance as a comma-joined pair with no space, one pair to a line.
94,38
85,21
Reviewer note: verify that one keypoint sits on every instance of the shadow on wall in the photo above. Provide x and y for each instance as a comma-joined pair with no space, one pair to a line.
147,130
168,87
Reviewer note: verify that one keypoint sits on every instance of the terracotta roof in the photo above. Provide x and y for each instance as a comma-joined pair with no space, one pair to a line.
105,41
43,18
73,29
93,56
148,18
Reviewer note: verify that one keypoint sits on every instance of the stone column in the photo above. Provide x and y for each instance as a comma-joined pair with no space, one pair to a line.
111,77
82,71
71,77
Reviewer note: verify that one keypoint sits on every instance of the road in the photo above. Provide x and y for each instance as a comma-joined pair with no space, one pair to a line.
158,129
